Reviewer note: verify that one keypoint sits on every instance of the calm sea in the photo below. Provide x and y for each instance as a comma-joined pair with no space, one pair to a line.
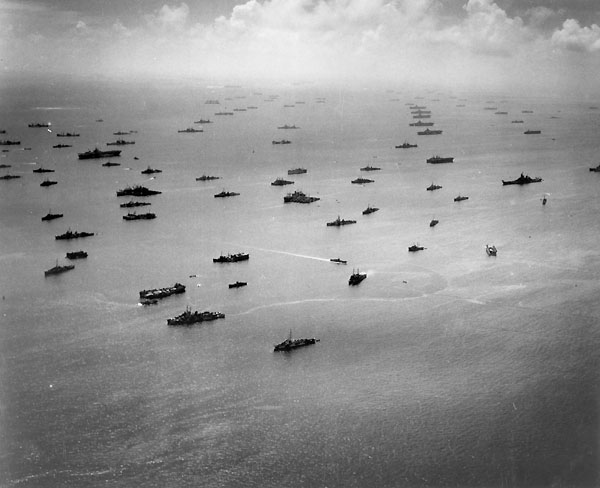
444,368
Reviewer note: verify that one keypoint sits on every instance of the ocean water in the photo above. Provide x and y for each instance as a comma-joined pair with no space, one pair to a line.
445,367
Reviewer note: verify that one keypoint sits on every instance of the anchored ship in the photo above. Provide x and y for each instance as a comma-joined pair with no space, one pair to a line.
290,343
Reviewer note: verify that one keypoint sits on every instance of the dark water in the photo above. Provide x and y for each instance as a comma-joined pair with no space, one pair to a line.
443,368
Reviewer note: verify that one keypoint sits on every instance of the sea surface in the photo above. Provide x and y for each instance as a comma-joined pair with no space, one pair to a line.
444,368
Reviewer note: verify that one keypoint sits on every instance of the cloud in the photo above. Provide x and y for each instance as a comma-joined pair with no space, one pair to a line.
168,18
574,37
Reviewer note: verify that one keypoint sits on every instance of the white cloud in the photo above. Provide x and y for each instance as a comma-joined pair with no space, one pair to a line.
574,37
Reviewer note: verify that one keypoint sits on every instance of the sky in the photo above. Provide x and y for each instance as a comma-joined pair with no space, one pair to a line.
549,47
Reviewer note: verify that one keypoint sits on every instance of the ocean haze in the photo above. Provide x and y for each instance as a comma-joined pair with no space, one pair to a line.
445,367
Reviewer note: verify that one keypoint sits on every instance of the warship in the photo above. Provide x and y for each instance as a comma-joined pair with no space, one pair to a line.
162,292
188,317
97,153
290,343
299,197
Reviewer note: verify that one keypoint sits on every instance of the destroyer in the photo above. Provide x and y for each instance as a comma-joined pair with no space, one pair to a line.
162,292
188,317
290,343
97,153
282,141
532,132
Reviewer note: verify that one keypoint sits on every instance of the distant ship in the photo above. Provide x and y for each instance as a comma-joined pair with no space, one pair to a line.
517,122
338,261
109,163
500,113
299,197
212,102
370,168
51,216
491,250
77,255
48,182
420,112
356,277
339,222
43,170
224,194
288,127
3,166
156,293
433,223
281,182
137,191
360,181
433,187
522,180
428,132
203,121
121,133
439,160
190,129
136,216
131,203
232,258
223,113
58,269
460,198
97,153
67,134
532,132
149,171
39,124
237,284
188,317
9,177
405,145
290,343
297,171
73,235
422,116
596,169
120,142
369,210
60,146
282,141
9,143
207,178
420,123
415,248
526,111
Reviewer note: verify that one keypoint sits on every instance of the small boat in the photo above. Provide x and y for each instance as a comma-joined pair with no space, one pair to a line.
338,261
369,210
460,198
434,222
77,255
356,277
491,250
545,199
433,187
415,248
290,343
237,284
58,269
51,216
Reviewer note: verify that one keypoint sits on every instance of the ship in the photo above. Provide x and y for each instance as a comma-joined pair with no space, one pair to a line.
223,113
203,121
532,132
288,127
237,284
460,198
156,293
3,166
48,182
208,178
59,269
120,142
369,210
188,317
136,191
110,163
281,182
428,132
43,170
39,124
360,181
516,121
422,116
439,160
491,250
420,123
338,261
9,177
339,222
433,187
232,258
77,255
420,112
132,203
282,141
224,194
73,235
415,248
526,111
299,197
370,168
136,216
297,171
190,129
67,134
61,146
97,153
51,216
500,113
356,277
121,133
290,343
148,301
406,145
596,169
9,143
433,223
212,102
522,180
149,171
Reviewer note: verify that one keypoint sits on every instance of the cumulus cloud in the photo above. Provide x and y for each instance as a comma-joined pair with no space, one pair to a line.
573,36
